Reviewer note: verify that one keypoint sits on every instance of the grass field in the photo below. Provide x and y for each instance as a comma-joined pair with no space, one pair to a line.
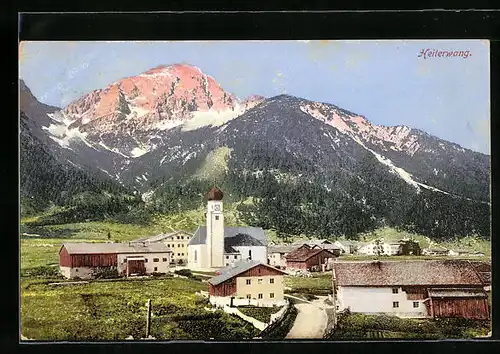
262,314
116,310
318,284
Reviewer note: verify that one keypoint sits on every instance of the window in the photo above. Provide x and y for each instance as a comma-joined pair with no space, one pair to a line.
249,281
145,260
235,257
156,259
156,269
395,304
182,254
164,260
216,217
168,245
76,270
271,295
177,237
260,296
227,257
227,264
178,254
179,245
195,255
249,296
415,304
271,281
395,290
249,254
182,237
259,281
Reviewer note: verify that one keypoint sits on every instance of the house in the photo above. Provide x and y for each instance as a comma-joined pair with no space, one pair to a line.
247,282
276,255
414,289
177,242
215,246
84,260
347,247
311,259
379,247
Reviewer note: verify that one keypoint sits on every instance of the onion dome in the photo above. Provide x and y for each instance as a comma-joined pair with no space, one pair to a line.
215,194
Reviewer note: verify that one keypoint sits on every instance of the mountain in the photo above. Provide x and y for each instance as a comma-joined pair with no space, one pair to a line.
310,167
48,178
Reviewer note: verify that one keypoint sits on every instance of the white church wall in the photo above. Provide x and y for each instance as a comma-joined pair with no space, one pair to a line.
259,253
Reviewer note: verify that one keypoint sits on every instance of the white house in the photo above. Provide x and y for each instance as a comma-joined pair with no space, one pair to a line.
347,247
216,246
276,255
379,247
414,289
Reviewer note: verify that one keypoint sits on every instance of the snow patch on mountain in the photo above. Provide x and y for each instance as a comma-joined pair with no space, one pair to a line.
211,118
136,152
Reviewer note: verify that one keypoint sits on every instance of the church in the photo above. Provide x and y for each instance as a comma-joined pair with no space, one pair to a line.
216,246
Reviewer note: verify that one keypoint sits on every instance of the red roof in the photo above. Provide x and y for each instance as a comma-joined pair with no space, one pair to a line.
215,194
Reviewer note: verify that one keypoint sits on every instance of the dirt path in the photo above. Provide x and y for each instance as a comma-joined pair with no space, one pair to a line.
310,322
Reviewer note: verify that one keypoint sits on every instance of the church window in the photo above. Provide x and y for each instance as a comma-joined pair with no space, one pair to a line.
249,281
216,217
249,254
227,257
195,255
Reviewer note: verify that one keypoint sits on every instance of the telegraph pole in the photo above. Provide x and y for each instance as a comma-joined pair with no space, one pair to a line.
148,318
334,281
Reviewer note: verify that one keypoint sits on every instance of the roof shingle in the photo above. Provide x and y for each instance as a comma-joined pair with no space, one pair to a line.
99,248
404,273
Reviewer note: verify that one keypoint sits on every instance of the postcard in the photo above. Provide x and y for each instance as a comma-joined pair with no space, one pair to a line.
254,190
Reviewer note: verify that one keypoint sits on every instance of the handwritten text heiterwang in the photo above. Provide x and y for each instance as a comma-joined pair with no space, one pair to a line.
436,53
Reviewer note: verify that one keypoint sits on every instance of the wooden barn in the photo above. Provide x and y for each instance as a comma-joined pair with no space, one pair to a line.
83,260
414,289
247,282
311,259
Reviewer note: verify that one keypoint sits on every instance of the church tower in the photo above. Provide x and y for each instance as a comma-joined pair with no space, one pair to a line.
215,229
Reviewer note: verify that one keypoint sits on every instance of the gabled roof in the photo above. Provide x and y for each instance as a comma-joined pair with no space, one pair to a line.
162,236
281,249
237,268
406,273
100,248
200,235
303,254
326,246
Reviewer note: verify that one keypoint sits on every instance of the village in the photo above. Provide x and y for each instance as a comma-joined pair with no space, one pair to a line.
268,285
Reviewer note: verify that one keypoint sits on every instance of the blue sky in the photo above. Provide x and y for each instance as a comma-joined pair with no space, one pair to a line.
386,81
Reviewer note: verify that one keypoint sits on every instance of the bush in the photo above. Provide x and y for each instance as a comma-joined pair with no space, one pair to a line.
279,329
43,271
105,273
184,272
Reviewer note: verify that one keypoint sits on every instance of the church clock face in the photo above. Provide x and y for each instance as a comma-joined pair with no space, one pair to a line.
217,207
